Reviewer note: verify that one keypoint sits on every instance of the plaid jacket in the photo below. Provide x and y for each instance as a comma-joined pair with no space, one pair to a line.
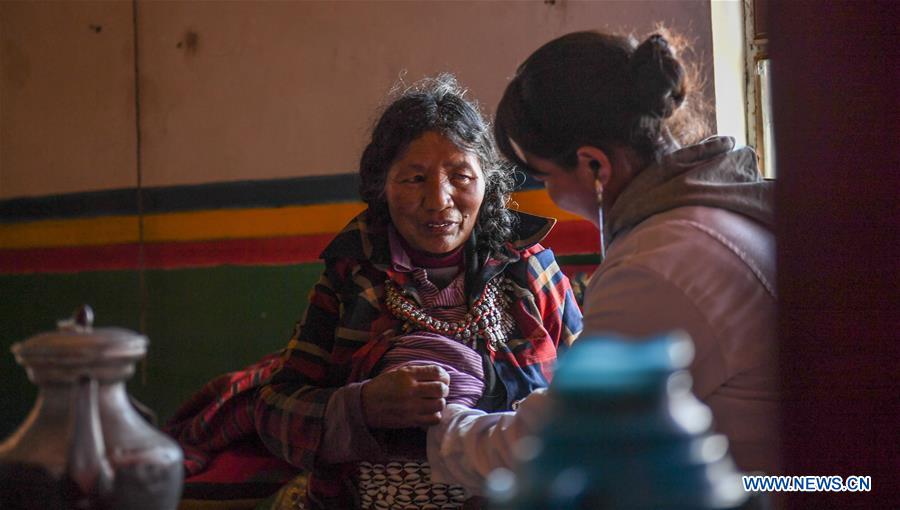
283,398
347,311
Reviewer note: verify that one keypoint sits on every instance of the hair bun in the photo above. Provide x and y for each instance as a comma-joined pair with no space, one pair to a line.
658,78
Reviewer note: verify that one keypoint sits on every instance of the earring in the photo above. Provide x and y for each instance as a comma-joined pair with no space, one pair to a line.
598,189
598,186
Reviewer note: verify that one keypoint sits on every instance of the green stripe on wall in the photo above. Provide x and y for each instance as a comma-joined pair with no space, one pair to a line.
201,322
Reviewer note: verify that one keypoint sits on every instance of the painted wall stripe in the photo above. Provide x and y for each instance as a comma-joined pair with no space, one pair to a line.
71,205
203,225
109,230
538,202
221,195
575,240
215,224
311,190
243,252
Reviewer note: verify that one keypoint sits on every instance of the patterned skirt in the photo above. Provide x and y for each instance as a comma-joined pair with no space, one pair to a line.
405,485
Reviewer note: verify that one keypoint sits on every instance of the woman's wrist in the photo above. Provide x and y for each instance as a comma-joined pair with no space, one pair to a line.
347,437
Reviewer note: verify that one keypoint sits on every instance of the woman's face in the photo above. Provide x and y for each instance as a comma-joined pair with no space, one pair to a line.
573,190
434,191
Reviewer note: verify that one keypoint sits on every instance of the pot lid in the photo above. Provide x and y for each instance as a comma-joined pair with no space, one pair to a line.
77,342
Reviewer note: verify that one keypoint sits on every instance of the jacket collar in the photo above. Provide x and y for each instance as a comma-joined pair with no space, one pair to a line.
712,173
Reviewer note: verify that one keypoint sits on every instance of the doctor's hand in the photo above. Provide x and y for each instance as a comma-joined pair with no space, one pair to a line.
411,396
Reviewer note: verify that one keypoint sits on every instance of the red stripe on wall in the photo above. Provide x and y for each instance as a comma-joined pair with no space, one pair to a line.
70,259
567,238
245,252
573,238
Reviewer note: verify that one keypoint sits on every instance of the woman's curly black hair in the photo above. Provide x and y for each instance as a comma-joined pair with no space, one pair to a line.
439,105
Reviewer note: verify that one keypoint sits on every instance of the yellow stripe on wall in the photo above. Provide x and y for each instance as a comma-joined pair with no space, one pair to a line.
217,224
538,202
250,223
187,226
77,232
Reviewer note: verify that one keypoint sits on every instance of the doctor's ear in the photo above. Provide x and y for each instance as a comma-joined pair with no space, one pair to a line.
596,162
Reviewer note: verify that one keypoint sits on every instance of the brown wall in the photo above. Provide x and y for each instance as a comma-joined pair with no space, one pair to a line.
251,90
66,97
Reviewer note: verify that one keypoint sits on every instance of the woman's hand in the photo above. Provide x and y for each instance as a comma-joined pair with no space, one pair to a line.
411,396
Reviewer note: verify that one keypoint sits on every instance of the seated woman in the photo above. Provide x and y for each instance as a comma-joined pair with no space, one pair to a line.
437,271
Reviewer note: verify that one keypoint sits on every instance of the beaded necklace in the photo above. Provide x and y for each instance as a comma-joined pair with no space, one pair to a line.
488,317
